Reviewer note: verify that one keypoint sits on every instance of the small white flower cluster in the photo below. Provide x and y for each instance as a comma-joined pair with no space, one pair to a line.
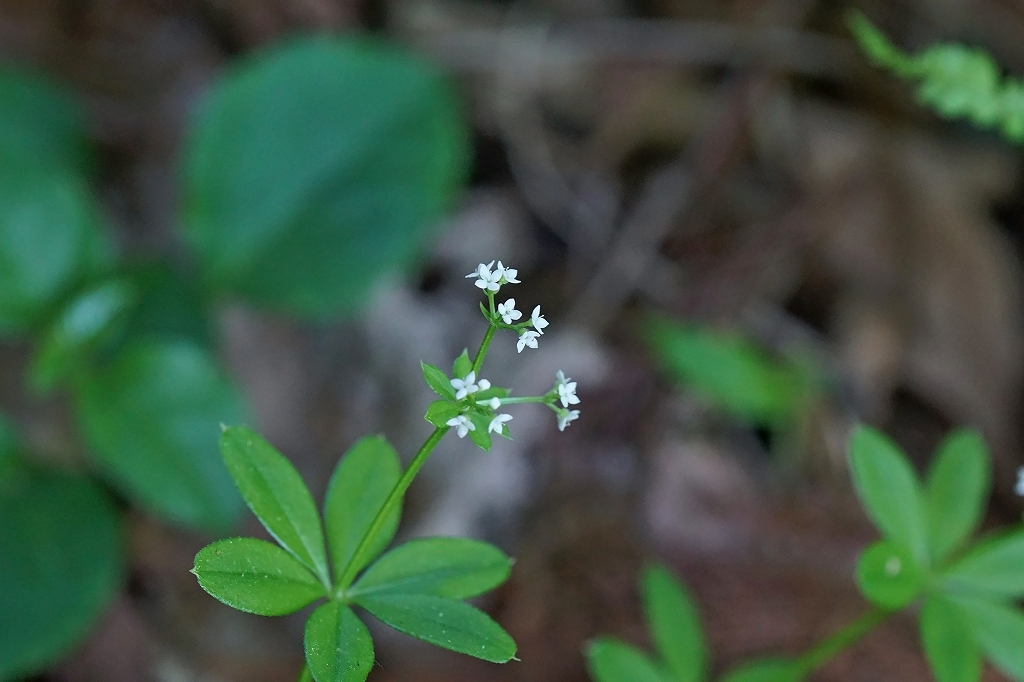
466,386
491,281
566,388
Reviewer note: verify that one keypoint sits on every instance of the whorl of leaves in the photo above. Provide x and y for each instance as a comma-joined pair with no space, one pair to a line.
955,80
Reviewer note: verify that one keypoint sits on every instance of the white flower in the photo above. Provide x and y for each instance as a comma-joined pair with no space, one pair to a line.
538,320
509,274
462,425
467,385
508,311
1019,488
487,280
567,416
527,338
566,390
495,403
497,424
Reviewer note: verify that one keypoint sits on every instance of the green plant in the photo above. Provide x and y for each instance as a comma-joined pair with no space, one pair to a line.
966,593
955,80
418,587
312,168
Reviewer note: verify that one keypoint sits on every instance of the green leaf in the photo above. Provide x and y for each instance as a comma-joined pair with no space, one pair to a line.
78,330
275,493
151,419
612,660
994,567
316,166
462,365
61,564
338,645
888,576
948,644
440,411
889,490
442,622
492,392
358,489
170,306
999,631
773,670
877,46
256,577
437,380
674,624
456,568
729,370
480,434
955,494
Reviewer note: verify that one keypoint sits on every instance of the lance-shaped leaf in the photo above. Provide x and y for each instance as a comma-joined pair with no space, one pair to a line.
277,496
338,645
256,577
889,490
948,643
612,660
999,631
462,365
480,435
446,623
437,380
955,494
774,670
457,568
440,411
674,624
994,567
358,488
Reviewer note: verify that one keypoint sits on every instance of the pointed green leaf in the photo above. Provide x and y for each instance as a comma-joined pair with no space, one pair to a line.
492,392
612,660
480,434
256,577
359,486
442,622
338,645
674,625
456,568
277,496
999,631
948,644
462,365
440,411
994,567
888,576
889,490
437,380
957,487
774,670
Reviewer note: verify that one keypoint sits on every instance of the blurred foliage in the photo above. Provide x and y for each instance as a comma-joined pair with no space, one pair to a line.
955,80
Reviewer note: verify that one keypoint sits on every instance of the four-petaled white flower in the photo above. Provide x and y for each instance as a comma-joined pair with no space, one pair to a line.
467,385
508,311
462,425
527,338
567,416
497,424
509,274
1019,488
538,320
487,280
566,390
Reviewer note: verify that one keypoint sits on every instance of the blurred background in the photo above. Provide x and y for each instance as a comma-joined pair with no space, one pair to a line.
745,239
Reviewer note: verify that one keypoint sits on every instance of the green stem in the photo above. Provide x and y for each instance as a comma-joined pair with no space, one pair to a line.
305,675
478,361
394,499
520,401
826,650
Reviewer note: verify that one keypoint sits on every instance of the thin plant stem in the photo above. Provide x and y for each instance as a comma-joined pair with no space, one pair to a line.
520,401
849,635
478,361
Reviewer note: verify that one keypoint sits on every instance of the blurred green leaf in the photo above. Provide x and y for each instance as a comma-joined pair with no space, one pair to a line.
169,306
674,624
256,577
438,381
9,450
889,490
276,494
42,122
774,670
994,567
729,370
317,165
612,660
888,576
958,484
338,645
357,491
61,564
948,644
999,631
150,418
442,622
480,435
440,411
456,568
462,365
